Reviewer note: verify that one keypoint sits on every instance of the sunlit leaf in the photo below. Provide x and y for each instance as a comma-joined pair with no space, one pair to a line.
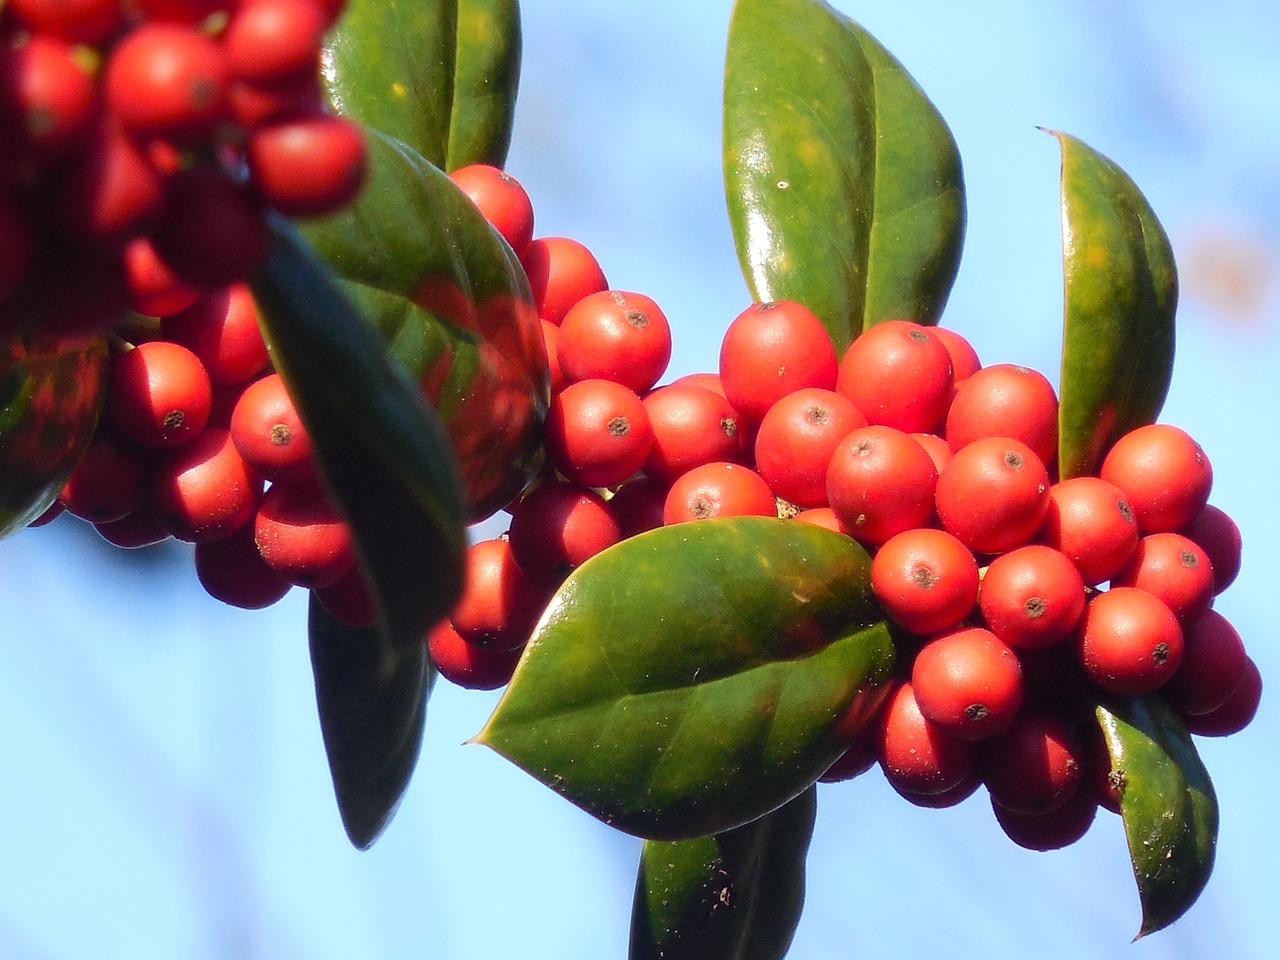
844,184
1120,297
1169,808
693,678
733,896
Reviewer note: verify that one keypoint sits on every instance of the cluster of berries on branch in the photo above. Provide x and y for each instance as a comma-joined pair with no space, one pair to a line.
145,142
1017,599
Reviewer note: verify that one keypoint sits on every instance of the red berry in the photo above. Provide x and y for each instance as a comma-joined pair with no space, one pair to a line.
556,527
1214,663
597,433
916,754
1219,537
270,40
1091,522
500,604
898,373
1173,568
993,494
773,349
1006,400
268,432
880,482
159,395
502,200
301,536
167,80
925,579
233,571
1032,597
1164,474
797,438
1234,715
691,426
615,335
467,665
203,490
1035,765
969,682
221,328
307,165
718,490
561,272
1130,642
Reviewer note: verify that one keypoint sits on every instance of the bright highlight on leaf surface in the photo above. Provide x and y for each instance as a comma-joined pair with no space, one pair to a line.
691,679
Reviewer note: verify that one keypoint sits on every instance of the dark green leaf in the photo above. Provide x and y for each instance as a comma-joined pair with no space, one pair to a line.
440,75
1120,296
51,394
372,697
844,184
1169,808
693,678
383,453
734,896
484,88
413,234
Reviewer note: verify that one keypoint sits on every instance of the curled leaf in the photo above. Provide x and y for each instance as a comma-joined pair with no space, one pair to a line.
844,184
1120,296
691,679
1168,804
733,896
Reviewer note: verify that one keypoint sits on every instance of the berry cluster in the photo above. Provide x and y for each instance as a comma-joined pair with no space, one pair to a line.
1017,598
200,441
144,142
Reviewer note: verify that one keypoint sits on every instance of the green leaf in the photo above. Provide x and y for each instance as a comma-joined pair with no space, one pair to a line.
51,393
484,88
1120,297
440,75
691,679
372,697
844,184
383,453
414,235
1169,808
734,896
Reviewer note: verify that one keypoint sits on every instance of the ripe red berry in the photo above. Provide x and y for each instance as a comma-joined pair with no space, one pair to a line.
211,229
556,527
691,426
159,395
1053,830
1173,568
268,432
1034,766
718,490
139,529
75,21
1219,537
898,373
993,494
1006,400
773,349
917,755
925,579
597,433
502,200
1213,666
154,288
301,536
467,665
221,328
1164,474
1130,642
637,505
797,438
167,80
500,604
307,165
267,41
233,571
47,98
109,480
615,335
203,490
1234,715
879,483
348,600
969,682
1032,597
1091,522
964,358
561,272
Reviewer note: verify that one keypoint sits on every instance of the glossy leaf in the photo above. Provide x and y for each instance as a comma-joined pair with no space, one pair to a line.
734,896
487,74
51,393
414,235
1120,297
1169,808
439,75
844,184
383,453
693,678
372,697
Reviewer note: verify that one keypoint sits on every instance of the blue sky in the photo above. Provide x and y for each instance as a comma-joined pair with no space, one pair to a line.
166,793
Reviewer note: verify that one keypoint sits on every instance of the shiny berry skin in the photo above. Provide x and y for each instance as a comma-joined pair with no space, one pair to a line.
718,490
307,165
501,199
221,328
556,527
1214,663
203,490
1234,715
467,665
561,272
233,571
167,80
1091,522
109,480
691,426
499,604
301,536
1219,537
925,579
898,373
1032,597
1165,475
597,433
770,350
796,440
268,41
615,335
1130,642
993,494
917,755
880,482
1006,400
1034,766
1173,568
969,682
268,432
159,395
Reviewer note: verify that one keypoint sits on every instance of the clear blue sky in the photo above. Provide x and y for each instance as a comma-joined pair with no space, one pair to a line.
165,791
